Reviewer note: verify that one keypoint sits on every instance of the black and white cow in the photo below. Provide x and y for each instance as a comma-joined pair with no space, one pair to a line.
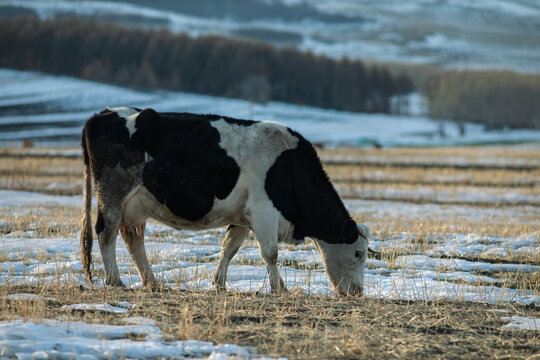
196,172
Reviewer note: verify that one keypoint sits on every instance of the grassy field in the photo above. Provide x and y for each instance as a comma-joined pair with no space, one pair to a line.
300,326
464,206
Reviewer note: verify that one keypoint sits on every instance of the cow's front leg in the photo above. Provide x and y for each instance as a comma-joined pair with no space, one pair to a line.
134,238
269,253
265,228
234,238
107,228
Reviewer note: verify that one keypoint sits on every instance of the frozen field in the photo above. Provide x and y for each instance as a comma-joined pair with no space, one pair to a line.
476,248
188,259
50,110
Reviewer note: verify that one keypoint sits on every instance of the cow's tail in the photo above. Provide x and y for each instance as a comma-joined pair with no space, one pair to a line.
86,228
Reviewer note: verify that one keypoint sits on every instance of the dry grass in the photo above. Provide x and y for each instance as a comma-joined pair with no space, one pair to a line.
420,228
21,170
391,175
302,327
450,155
52,175
44,222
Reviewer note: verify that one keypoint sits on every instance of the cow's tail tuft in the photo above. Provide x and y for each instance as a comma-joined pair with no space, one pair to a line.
86,228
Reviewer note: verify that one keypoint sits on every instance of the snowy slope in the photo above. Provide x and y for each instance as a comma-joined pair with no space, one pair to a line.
456,33
52,109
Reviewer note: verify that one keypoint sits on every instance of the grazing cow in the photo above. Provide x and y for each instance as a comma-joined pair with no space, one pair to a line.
196,172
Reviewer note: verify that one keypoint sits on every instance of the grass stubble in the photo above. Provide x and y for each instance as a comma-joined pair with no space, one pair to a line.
300,326
296,325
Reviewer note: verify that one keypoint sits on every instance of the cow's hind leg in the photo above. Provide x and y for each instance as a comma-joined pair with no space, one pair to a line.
108,221
234,238
265,227
134,238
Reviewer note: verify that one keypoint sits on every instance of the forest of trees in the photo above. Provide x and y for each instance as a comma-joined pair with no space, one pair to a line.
497,99
149,59
159,59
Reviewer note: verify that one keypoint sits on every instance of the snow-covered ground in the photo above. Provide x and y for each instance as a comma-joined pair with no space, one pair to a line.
56,339
188,259
455,33
52,109
522,323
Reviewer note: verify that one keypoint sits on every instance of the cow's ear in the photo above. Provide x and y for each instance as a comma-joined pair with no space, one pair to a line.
349,231
364,231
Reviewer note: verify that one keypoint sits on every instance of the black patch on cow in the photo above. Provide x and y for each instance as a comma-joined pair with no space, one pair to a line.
349,231
299,188
188,169
238,121
109,143
100,223
207,117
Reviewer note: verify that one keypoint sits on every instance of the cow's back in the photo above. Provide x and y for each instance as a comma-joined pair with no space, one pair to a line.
191,164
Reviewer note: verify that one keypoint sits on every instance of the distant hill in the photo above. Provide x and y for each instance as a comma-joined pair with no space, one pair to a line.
503,34
211,65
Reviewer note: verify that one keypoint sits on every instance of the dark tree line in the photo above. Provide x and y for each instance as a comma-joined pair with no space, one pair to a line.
497,99
207,65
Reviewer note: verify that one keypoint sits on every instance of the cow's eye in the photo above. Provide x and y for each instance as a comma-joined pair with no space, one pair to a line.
359,254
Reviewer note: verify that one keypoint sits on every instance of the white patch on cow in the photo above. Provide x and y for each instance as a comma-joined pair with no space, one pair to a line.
255,148
147,157
139,204
130,115
130,124
123,112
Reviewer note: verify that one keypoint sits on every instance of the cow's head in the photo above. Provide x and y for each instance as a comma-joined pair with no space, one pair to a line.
344,262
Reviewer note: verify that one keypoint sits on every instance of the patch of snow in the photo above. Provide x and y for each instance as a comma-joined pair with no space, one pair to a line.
126,305
465,194
63,186
104,307
474,245
67,340
9,198
522,323
426,262
331,127
387,210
